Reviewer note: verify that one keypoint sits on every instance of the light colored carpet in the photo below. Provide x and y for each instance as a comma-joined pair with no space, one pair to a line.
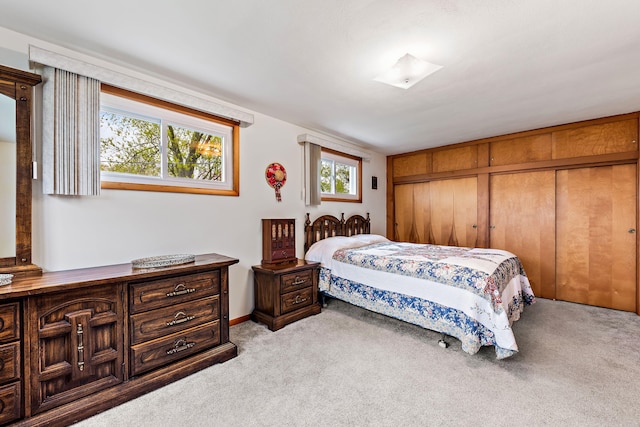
577,366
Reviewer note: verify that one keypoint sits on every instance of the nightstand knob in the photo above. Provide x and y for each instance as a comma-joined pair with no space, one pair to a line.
298,281
299,300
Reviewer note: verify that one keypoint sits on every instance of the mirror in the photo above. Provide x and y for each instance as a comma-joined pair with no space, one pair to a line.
7,177
16,88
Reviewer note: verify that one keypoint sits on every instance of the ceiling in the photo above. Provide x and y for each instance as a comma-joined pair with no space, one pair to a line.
508,65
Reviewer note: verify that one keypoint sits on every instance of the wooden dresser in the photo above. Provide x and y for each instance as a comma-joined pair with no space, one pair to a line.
285,293
74,343
10,367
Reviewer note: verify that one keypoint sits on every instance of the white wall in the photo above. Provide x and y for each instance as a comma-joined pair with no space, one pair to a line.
118,226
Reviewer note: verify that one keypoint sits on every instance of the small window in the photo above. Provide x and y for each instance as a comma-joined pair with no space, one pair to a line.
340,177
148,144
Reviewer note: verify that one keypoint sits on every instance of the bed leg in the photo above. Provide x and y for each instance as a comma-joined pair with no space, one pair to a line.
442,342
323,297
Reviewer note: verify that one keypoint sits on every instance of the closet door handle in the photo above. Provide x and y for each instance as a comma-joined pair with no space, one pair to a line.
474,226
632,230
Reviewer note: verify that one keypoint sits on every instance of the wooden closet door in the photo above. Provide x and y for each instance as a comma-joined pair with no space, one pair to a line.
437,212
522,221
596,241
454,212
412,212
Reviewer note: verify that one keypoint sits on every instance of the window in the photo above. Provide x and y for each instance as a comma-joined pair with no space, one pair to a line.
340,177
148,144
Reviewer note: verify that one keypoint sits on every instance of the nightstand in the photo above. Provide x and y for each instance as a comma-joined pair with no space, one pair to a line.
285,293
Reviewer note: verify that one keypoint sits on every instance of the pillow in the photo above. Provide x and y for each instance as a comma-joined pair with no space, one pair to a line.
369,239
322,250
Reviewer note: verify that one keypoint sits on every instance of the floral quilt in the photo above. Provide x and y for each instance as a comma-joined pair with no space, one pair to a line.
478,293
481,271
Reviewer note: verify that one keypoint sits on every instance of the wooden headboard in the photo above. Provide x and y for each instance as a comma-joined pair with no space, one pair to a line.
330,226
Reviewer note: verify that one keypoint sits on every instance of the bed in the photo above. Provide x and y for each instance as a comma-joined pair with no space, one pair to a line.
472,294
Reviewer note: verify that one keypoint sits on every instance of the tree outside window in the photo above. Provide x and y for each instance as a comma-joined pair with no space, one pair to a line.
340,176
146,146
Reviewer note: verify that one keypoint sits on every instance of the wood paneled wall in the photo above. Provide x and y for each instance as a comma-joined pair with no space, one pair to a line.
563,198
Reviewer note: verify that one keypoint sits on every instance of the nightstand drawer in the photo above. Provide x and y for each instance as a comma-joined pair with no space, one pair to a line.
164,321
295,281
9,362
295,300
162,293
9,322
9,402
162,351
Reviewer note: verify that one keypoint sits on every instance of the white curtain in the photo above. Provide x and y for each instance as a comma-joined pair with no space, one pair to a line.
70,133
312,161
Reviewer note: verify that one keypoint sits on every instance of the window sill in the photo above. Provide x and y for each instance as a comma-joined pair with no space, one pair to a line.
112,185
339,199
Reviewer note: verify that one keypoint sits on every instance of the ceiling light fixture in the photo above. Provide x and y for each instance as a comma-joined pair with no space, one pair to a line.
408,71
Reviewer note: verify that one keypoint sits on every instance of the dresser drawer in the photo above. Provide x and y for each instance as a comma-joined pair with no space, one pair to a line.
295,300
162,351
162,293
9,402
9,362
9,322
295,281
164,321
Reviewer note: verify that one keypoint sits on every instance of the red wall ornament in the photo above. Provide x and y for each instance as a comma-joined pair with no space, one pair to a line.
276,177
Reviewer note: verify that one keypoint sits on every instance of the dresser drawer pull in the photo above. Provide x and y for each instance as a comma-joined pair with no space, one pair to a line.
177,319
180,289
299,300
180,345
80,333
298,281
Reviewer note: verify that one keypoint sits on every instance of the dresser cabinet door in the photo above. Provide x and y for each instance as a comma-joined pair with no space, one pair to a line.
79,345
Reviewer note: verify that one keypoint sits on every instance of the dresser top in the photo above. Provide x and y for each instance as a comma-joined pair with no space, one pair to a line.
68,279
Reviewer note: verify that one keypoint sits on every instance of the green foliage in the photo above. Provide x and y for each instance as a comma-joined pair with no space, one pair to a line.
129,145
194,154
326,175
132,145
343,173
342,177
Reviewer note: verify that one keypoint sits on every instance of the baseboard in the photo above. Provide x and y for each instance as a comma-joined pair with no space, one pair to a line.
239,320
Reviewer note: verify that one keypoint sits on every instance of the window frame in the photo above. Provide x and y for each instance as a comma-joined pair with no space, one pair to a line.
119,181
333,197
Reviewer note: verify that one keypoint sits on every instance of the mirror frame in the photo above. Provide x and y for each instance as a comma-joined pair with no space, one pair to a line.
18,84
